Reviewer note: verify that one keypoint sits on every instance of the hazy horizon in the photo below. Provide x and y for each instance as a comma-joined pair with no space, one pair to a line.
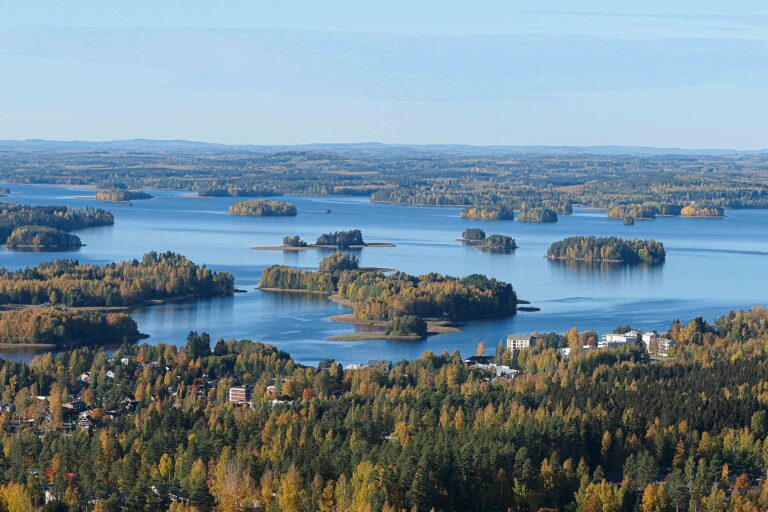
688,75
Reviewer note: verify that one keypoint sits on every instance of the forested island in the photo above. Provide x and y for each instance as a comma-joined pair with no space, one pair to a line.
156,277
607,250
64,218
120,195
378,297
692,210
494,243
431,433
54,327
488,213
537,215
263,208
42,238
352,239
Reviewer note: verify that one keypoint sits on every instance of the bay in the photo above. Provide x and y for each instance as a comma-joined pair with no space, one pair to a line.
713,266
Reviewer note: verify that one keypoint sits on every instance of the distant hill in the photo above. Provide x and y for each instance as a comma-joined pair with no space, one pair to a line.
361,148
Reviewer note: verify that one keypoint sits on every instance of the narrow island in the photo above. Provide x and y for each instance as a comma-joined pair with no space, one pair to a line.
493,243
56,328
346,240
398,306
263,208
538,214
63,218
701,211
121,195
500,212
42,238
649,210
607,250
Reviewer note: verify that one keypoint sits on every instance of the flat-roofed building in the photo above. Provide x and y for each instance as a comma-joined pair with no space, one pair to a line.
517,342
238,395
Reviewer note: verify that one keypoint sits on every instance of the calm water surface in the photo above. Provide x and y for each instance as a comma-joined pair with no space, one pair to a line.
713,266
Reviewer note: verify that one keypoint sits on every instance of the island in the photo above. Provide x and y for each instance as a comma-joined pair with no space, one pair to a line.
538,214
387,301
4,191
120,195
493,243
155,278
607,250
647,210
263,208
13,216
495,212
693,210
348,240
42,238
52,327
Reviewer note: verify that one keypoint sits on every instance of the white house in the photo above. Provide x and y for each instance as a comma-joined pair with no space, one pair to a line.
517,342
614,340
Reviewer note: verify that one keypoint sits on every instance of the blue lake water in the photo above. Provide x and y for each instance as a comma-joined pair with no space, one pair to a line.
713,266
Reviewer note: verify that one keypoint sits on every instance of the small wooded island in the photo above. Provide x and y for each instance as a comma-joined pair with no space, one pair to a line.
352,239
64,218
42,238
263,208
121,195
405,307
496,212
493,243
607,250
537,214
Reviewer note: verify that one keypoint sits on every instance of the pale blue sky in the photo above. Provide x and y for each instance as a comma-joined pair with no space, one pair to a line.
686,74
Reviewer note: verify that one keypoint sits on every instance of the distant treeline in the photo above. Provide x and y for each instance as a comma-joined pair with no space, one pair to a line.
119,194
263,208
42,237
236,192
128,283
607,249
64,218
66,327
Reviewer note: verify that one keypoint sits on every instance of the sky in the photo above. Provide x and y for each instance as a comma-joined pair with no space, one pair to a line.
668,74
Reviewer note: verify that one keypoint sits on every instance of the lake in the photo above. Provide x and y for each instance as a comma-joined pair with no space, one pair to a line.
713,266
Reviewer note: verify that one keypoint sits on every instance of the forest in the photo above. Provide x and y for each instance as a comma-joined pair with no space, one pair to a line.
121,195
70,327
263,208
42,238
473,177
13,216
607,249
589,433
156,276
